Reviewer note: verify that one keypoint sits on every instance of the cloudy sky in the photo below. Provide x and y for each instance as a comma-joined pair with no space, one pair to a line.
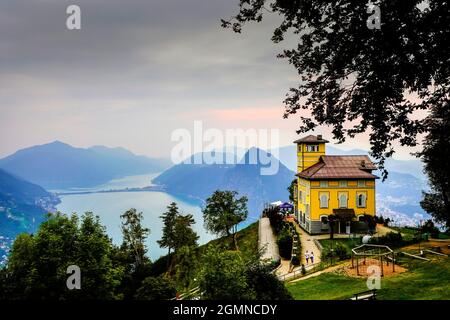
135,72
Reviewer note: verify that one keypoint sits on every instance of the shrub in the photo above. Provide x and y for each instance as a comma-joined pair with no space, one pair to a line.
295,261
339,251
156,288
285,244
391,239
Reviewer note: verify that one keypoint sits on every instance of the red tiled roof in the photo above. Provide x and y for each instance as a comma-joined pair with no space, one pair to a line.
340,167
311,139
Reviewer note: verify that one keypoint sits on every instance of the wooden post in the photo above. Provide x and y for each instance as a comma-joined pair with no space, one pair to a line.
382,271
357,265
393,261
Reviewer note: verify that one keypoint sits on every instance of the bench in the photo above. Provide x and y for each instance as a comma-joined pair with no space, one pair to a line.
365,295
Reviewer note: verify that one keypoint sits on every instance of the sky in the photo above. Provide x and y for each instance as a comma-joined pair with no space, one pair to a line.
136,72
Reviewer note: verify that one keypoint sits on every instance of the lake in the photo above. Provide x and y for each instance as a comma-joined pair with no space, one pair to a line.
109,207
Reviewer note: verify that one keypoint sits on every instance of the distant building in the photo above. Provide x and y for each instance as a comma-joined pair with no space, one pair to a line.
342,186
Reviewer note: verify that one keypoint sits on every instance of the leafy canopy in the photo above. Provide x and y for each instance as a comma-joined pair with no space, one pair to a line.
355,79
223,211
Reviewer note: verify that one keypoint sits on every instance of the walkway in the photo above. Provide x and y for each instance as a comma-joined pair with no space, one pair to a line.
267,241
307,242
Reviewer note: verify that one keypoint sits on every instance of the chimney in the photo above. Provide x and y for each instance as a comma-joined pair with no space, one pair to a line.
363,163
319,137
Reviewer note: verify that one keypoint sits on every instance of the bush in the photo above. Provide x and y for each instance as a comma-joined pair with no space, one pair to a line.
339,251
295,261
156,288
391,239
285,244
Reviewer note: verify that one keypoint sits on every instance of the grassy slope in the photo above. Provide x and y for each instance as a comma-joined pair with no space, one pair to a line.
247,240
424,280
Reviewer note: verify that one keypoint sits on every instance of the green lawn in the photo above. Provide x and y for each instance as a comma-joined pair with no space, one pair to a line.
422,281
327,286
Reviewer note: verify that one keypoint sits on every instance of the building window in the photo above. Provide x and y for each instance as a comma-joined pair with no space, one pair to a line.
312,148
361,183
343,200
361,200
300,196
323,197
324,184
342,183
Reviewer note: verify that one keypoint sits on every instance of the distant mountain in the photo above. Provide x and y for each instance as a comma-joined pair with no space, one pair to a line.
201,180
398,197
22,207
288,157
58,165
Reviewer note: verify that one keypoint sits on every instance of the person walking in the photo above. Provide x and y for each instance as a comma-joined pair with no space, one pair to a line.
307,256
312,257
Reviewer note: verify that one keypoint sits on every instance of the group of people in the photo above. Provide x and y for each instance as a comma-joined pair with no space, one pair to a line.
309,256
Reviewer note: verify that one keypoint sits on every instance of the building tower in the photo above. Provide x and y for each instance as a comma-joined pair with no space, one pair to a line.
309,150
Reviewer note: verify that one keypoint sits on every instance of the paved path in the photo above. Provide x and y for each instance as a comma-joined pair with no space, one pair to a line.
307,242
267,241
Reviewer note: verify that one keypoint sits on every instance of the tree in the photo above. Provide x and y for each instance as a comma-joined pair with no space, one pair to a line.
229,276
331,220
38,264
168,237
184,234
429,227
292,188
372,222
156,288
134,235
177,231
186,266
355,78
284,243
435,155
100,277
132,253
223,211
223,276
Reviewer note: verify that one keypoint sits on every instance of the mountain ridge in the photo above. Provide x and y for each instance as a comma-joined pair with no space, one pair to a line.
58,165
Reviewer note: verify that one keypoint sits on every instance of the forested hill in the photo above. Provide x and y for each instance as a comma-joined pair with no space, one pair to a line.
22,205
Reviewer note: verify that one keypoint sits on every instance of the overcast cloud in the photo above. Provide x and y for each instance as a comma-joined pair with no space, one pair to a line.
136,71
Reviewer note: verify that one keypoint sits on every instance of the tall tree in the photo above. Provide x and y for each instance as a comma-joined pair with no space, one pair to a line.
177,231
169,218
291,189
134,235
356,77
435,156
184,234
223,211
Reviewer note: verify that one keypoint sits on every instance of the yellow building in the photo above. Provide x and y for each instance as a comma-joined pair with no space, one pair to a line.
342,186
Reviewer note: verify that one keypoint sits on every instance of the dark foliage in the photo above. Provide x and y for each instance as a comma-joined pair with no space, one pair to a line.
357,79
